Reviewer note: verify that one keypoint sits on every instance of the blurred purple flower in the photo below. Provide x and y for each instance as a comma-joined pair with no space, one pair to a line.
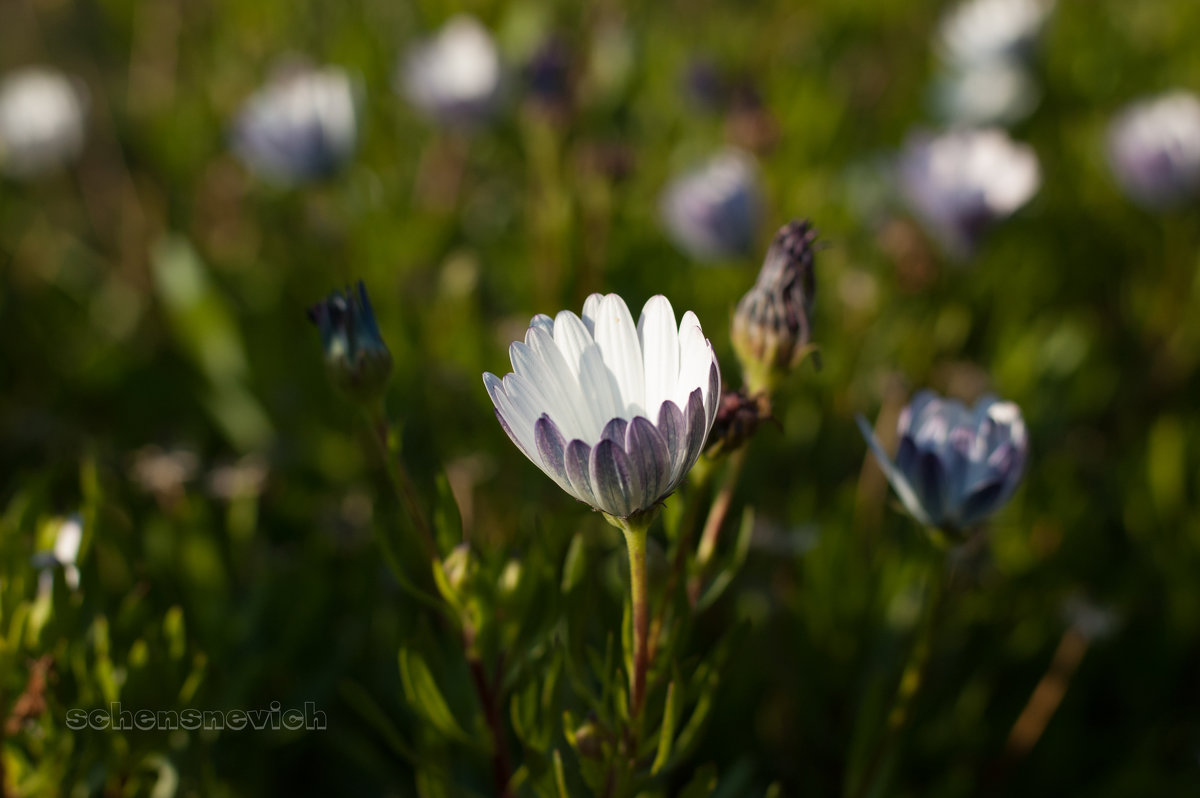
954,467
961,182
548,74
713,211
41,121
454,77
1154,149
301,126
616,414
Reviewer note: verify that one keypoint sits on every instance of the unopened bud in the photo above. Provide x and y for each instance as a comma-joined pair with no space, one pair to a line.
588,740
738,417
355,354
459,566
773,323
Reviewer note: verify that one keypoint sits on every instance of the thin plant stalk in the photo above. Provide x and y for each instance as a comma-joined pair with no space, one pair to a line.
635,540
406,490
715,521
911,680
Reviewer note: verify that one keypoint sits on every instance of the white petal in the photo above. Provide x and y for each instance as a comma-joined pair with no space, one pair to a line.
600,389
519,426
526,405
591,309
695,358
561,386
660,352
544,323
618,341
572,338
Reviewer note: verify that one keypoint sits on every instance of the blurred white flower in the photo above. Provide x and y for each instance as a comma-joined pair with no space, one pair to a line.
65,553
961,182
163,473
453,77
713,212
982,31
616,414
992,93
244,479
301,126
1154,149
41,121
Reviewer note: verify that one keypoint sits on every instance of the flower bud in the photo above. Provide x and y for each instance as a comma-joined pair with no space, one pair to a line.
355,354
738,417
773,323
588,740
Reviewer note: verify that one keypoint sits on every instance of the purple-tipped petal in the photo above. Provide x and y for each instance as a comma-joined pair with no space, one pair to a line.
713,395
649,458
551,447
511,435
695,420
578,458
614,430
613,482
670,424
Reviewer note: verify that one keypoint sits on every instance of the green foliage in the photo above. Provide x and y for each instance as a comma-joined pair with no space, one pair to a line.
248,540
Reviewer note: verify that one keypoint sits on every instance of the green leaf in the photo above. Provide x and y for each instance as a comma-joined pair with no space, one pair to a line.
575,564
560,776
666,737
702,784
733,565
447,518
174,632
362,702
422,692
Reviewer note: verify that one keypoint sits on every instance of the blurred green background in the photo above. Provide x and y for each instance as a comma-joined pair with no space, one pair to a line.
160,378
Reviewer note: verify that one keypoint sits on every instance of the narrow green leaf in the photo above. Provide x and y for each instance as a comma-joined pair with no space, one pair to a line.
560,776
362,703
575,563
447,518
702,784
666,736
732,565
423,693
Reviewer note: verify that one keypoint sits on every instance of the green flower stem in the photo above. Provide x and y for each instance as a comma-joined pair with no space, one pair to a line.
911,679
716,519
402,482
635,530
491,702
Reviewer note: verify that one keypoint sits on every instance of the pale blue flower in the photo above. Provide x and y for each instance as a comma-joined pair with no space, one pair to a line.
954,467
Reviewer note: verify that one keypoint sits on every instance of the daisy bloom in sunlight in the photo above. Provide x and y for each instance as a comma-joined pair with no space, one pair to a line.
615,413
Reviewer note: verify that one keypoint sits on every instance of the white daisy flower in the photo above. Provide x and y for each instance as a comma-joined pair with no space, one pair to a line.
301,126
1154,149
41,122
616,414
454,77
982,31
961,182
